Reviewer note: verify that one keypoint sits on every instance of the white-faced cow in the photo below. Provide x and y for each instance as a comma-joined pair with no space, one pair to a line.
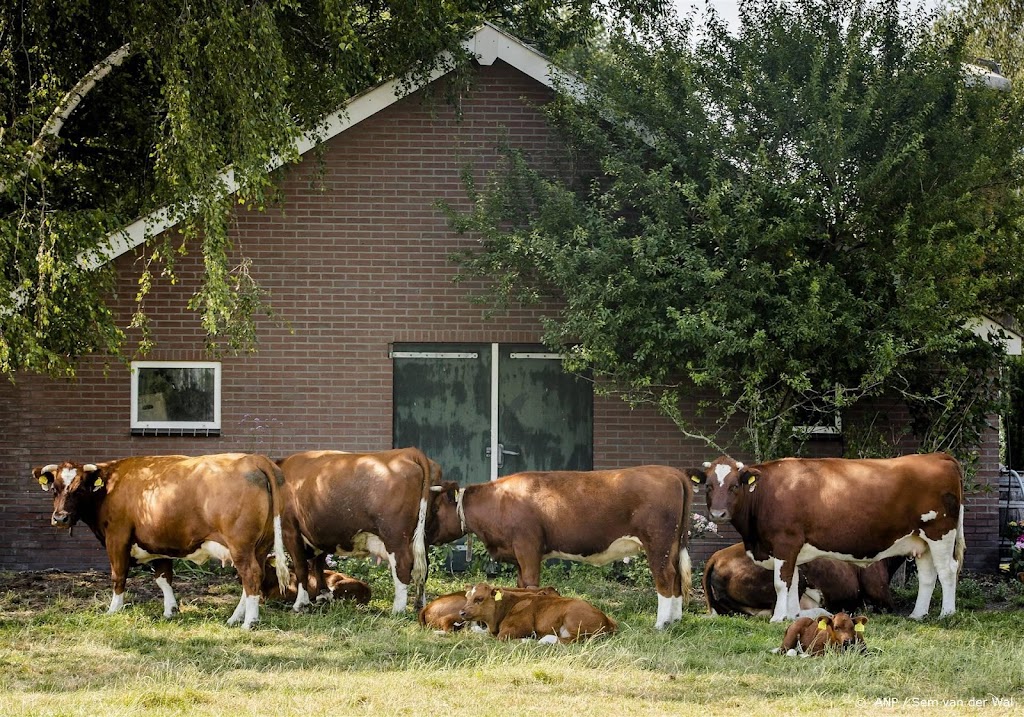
152,509
588,516
794,510
734,584
358,504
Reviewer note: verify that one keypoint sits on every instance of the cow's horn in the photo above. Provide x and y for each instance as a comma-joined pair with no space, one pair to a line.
707,464
89,467
739,466
49,469
437,488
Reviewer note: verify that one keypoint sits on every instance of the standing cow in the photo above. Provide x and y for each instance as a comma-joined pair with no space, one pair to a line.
794,510
359,504
594,517
153,509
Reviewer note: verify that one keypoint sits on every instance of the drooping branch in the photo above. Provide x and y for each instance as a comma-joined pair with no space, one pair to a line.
67,105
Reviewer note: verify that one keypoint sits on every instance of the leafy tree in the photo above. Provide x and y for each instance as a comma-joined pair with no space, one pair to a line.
780,222
996,33
111,108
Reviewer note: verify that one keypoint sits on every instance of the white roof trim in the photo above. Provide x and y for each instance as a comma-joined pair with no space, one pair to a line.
487,44
996,333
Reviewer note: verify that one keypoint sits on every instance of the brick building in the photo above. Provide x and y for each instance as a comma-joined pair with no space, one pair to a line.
372,344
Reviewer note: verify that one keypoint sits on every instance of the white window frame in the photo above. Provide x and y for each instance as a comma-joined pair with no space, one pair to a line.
821,429
176,425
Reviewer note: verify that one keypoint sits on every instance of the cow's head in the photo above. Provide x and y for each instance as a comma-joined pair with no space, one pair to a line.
73,487
727,483
481,603
844,632
444,524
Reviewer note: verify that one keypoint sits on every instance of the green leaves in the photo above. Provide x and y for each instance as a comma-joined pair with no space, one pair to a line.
793,218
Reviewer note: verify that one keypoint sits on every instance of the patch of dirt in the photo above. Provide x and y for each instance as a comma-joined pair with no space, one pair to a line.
36,590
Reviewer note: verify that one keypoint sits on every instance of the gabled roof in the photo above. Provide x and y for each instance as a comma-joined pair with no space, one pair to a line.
487,45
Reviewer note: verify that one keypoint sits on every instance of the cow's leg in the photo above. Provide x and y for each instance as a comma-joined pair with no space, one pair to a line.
250,572
239,612
926,575
784,574
164,578
117,551
528,565
398,569
942,552
665,572
296,549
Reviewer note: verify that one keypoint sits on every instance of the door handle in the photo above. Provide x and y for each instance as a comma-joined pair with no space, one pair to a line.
502,452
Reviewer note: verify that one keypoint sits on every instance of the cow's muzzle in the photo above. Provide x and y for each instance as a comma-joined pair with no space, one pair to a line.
721,515
61,519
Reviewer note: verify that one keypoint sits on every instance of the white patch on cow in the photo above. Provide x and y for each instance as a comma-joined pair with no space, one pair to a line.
209,549
67,475
787,597
252,611
938,562
365,544
625,547
170,604
907,545
239,612
812,598
116,603
814,613
670,610
930,515
721,472
477,627
549,639
471,593
564,633
401,589
302,598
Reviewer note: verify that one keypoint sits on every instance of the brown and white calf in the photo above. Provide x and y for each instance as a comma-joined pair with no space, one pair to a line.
153,509
338,585
520,615
588,516
809,637
443,613
794,510
358,504
734,584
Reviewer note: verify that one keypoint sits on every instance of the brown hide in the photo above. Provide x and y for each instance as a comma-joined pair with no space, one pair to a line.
334,499
170,505
733,584
523,517
443,613
339,586
511,616
815,636
849,507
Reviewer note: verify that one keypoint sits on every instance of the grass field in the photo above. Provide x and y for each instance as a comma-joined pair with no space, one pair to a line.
60,655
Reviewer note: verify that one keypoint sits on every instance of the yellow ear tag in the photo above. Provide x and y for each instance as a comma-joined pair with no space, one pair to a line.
858,628
822,625
695,479
751,479
42,480
98,483
497,596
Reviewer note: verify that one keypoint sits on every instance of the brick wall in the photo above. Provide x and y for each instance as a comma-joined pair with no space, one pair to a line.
356,257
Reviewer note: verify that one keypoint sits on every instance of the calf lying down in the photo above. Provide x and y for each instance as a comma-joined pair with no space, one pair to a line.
549,618
443,615
341,587
811,636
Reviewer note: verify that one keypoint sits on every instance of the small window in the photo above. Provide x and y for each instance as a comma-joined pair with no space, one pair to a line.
818,423
170,397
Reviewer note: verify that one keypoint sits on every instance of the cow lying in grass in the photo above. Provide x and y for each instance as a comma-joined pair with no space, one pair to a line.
549,618
809,637
443,615
339,586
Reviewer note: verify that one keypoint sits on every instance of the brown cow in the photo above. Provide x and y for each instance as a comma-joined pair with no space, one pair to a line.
443,613
359,504
549,618
339,585
794,510
589,516
809,637
153,509
734,584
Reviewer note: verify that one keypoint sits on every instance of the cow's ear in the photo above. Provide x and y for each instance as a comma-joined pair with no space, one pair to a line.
749,476
44,474
859,622
697,475
93,477
824,623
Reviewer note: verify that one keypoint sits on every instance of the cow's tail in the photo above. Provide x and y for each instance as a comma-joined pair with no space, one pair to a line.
961,544
685,567
419,539
276,481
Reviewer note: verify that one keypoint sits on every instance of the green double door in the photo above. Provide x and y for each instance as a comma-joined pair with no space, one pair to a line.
487,410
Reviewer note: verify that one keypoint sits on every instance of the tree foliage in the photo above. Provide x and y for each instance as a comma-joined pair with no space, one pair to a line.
996,33
192,87
780,222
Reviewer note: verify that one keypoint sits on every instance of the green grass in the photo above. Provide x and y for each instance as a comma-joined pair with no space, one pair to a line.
65,657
